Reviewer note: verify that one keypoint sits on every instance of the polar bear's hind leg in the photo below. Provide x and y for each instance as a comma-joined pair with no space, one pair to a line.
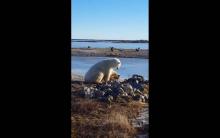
99,78
108,75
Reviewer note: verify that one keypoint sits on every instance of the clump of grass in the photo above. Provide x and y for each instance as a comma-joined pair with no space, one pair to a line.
131,109
118,123
85,106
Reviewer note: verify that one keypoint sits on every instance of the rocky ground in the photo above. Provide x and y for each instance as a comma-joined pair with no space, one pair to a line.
107,52
112,109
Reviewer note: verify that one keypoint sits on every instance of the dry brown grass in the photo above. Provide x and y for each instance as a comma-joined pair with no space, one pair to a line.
117,123
130,109
86,106
95,119
111,126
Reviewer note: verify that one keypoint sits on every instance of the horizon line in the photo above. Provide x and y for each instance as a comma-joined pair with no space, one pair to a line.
106,39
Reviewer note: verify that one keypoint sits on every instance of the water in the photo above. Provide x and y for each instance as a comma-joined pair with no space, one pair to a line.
109,44
130,66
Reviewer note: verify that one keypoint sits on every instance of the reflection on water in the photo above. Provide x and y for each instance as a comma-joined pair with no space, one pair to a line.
130,66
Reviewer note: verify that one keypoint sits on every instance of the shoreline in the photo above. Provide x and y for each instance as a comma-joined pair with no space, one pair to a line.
106,52
77,77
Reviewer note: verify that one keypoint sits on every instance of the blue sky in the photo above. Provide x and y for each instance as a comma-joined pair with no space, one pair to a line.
109,19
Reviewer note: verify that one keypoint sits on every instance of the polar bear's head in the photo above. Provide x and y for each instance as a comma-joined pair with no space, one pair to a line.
116,63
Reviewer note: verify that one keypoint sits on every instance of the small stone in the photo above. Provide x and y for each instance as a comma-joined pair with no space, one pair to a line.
120,90
137,97
146,97
99,94
109,99
128,89
142,98
137,91
124,94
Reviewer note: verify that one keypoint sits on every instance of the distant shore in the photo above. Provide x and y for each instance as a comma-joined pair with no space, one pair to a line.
106,52
113,41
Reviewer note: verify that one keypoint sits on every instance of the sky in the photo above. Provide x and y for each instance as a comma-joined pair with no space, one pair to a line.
109,19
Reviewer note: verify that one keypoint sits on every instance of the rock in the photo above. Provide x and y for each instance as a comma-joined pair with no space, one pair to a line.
109,99
137,97
124,94
137,92
135,83
115,84
141,87
87,92
99,93
83,92
138,77
142,98
128,88
146,97
135,88
120,90
108,92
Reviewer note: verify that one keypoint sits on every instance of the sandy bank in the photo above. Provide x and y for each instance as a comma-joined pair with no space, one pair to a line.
76,77
106,52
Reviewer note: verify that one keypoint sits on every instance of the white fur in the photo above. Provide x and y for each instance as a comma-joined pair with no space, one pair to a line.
102,70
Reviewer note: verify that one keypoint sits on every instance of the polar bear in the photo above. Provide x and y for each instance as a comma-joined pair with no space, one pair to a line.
103,70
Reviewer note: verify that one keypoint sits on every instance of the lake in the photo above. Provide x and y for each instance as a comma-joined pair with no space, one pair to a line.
109,44
130,66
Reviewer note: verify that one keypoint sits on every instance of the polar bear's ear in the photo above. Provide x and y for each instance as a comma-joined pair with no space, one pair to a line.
117,60
119,65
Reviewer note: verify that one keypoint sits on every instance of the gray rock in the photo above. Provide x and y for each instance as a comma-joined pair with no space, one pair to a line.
87,92
142,98
123,94
109,99
134,88
146,97
99,93
120,90
128,88
137,97
137,92
109,90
